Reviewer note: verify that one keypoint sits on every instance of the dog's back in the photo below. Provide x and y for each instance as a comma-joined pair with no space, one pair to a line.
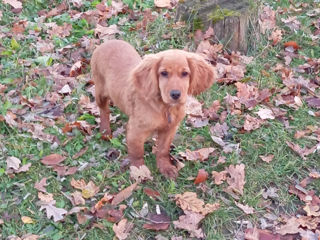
111,65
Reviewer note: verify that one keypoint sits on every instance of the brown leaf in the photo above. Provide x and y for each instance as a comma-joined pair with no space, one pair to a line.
77,198
162,3
52,211
313,102
140,174
45,197
267,158
53,159
122,229
265,113
41,185
245,208
201,154
219,177
236,180
189,201
302,152
193,107
14,3
78,184
151,193
267,19
124,194
106,198
252,123
276,36
156,226
65,170
190,222
13,163
291,227
201,177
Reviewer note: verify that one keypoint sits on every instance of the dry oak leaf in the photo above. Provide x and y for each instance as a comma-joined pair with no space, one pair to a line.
193,107
190,222
252,123
162,3
291,227
267,19
276,36
14,3
53,159
200,154
236,180
265,113
122,229
312,210
41,185
245,208
189,201
124,194
77,198
302,152
267,158
219,177
140,174
45,197
78,184
52,211
13,165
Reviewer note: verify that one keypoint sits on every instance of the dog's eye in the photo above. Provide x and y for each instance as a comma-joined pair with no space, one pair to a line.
164,74
184,74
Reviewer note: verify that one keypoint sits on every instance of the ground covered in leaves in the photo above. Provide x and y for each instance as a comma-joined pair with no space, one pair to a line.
248,149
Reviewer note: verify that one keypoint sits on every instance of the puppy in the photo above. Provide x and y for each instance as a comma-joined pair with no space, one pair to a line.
152,91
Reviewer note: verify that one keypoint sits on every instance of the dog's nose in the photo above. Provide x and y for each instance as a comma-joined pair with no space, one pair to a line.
175,94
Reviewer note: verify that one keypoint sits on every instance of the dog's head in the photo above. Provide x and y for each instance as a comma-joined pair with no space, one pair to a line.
173,74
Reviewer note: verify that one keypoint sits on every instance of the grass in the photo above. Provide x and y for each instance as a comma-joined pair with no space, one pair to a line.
19,197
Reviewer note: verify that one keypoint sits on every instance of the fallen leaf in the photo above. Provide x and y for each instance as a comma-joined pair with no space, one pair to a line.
53,159
201,154
45,197
90,190
14,3
151,193
265,113
201,177
77,198
41,185
122,229
190,222
140,174
252,123
162,3
27,220
78,184
52,211
124,194
106,198
267,158
156,226
189,201
236,180
302,152
245,208
13,163
312,210
267,19
219,177
276,36
291,227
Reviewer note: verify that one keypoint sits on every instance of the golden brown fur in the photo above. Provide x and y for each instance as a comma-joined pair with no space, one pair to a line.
152,91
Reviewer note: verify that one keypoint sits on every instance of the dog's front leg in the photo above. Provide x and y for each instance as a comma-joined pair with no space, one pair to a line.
136,138
164,164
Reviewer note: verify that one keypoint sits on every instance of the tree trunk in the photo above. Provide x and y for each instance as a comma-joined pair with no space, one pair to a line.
228,18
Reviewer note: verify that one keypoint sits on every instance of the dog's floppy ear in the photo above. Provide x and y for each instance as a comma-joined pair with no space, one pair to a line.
146,76
202,74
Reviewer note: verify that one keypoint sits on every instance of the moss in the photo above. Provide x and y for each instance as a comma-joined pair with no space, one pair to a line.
219,14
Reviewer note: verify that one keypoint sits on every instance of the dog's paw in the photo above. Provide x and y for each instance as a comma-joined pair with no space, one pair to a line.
169,171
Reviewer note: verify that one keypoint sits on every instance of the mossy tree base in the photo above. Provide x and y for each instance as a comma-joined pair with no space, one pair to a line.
228,18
